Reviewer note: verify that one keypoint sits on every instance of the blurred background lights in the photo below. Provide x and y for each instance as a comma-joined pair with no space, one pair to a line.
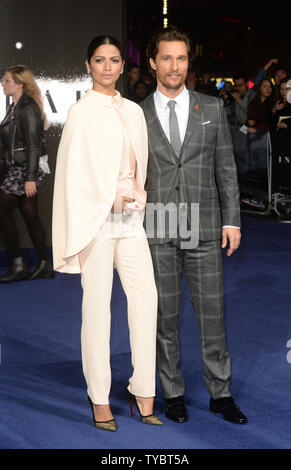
165,12
165,7
18,45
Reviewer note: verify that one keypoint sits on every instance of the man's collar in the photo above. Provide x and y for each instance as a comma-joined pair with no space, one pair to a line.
181,99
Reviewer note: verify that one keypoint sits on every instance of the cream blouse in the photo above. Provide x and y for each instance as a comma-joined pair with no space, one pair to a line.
129,221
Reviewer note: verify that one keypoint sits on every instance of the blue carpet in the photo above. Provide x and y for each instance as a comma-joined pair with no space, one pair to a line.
43,393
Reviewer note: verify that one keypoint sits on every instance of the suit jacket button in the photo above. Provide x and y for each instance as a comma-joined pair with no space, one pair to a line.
180,165
177,188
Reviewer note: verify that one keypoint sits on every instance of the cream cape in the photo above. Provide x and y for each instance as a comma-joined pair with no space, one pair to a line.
87,168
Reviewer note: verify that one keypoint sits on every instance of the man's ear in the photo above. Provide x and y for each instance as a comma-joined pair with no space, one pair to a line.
152,64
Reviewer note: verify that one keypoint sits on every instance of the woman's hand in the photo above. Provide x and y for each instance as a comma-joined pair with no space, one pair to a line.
30,188
120,207
251,122
125,200
252,130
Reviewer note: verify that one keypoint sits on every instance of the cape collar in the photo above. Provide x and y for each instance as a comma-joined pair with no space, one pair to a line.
106,100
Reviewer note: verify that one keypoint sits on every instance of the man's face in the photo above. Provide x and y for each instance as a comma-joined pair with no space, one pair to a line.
134,74
241,86
171,65
283,90
279,75
141,90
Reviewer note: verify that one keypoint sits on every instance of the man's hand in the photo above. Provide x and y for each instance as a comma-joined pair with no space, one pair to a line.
282,125
277,106
271,62
236,96
232,235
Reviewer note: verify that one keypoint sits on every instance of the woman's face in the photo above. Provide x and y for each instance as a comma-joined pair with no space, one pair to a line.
105,66
10,88
266,89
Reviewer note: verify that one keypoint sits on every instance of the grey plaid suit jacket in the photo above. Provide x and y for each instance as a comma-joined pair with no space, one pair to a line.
205,172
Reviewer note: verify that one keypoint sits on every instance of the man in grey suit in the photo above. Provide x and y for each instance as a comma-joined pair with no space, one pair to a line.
191,166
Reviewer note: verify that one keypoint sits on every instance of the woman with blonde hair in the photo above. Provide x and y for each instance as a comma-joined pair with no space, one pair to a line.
22,142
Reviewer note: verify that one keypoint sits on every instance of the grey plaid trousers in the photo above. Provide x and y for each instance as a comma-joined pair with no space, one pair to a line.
203,271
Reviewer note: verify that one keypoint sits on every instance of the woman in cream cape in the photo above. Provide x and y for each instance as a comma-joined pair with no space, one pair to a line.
98,208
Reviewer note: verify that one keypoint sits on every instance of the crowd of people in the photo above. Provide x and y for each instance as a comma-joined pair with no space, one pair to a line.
258,116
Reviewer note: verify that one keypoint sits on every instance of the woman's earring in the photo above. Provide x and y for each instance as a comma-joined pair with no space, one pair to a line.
121,72
88,70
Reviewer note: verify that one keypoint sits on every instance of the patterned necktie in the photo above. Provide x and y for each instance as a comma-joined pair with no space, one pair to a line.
174,129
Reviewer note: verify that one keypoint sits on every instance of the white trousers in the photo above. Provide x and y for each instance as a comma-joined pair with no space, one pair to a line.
132,259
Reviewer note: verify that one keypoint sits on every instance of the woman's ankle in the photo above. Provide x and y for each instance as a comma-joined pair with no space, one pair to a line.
102,412
146,405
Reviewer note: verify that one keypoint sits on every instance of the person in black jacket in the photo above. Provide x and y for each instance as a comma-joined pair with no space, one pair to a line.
22,136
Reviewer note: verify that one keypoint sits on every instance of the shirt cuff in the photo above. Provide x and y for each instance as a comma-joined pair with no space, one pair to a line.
233,226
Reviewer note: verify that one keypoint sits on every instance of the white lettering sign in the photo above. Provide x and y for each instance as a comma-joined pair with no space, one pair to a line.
58,96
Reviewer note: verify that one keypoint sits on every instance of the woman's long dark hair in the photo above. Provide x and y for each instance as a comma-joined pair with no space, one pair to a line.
270,99
100,41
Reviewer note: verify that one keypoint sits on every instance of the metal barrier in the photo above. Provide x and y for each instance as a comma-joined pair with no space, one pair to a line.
279,144
269,178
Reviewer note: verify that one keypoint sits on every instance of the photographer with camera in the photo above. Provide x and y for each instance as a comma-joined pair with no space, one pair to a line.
236,99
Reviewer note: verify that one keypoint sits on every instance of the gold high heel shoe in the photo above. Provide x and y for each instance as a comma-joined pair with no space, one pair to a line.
105,425
149,419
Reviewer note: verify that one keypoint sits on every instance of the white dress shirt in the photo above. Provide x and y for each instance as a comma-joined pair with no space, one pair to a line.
181,108
182,112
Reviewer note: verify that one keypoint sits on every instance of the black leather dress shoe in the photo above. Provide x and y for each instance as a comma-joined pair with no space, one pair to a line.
43,270
176,409
229,410
18,270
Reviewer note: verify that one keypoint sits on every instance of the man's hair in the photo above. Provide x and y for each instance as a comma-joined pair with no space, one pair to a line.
168,34
242,75
276,69
284,80
132,66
